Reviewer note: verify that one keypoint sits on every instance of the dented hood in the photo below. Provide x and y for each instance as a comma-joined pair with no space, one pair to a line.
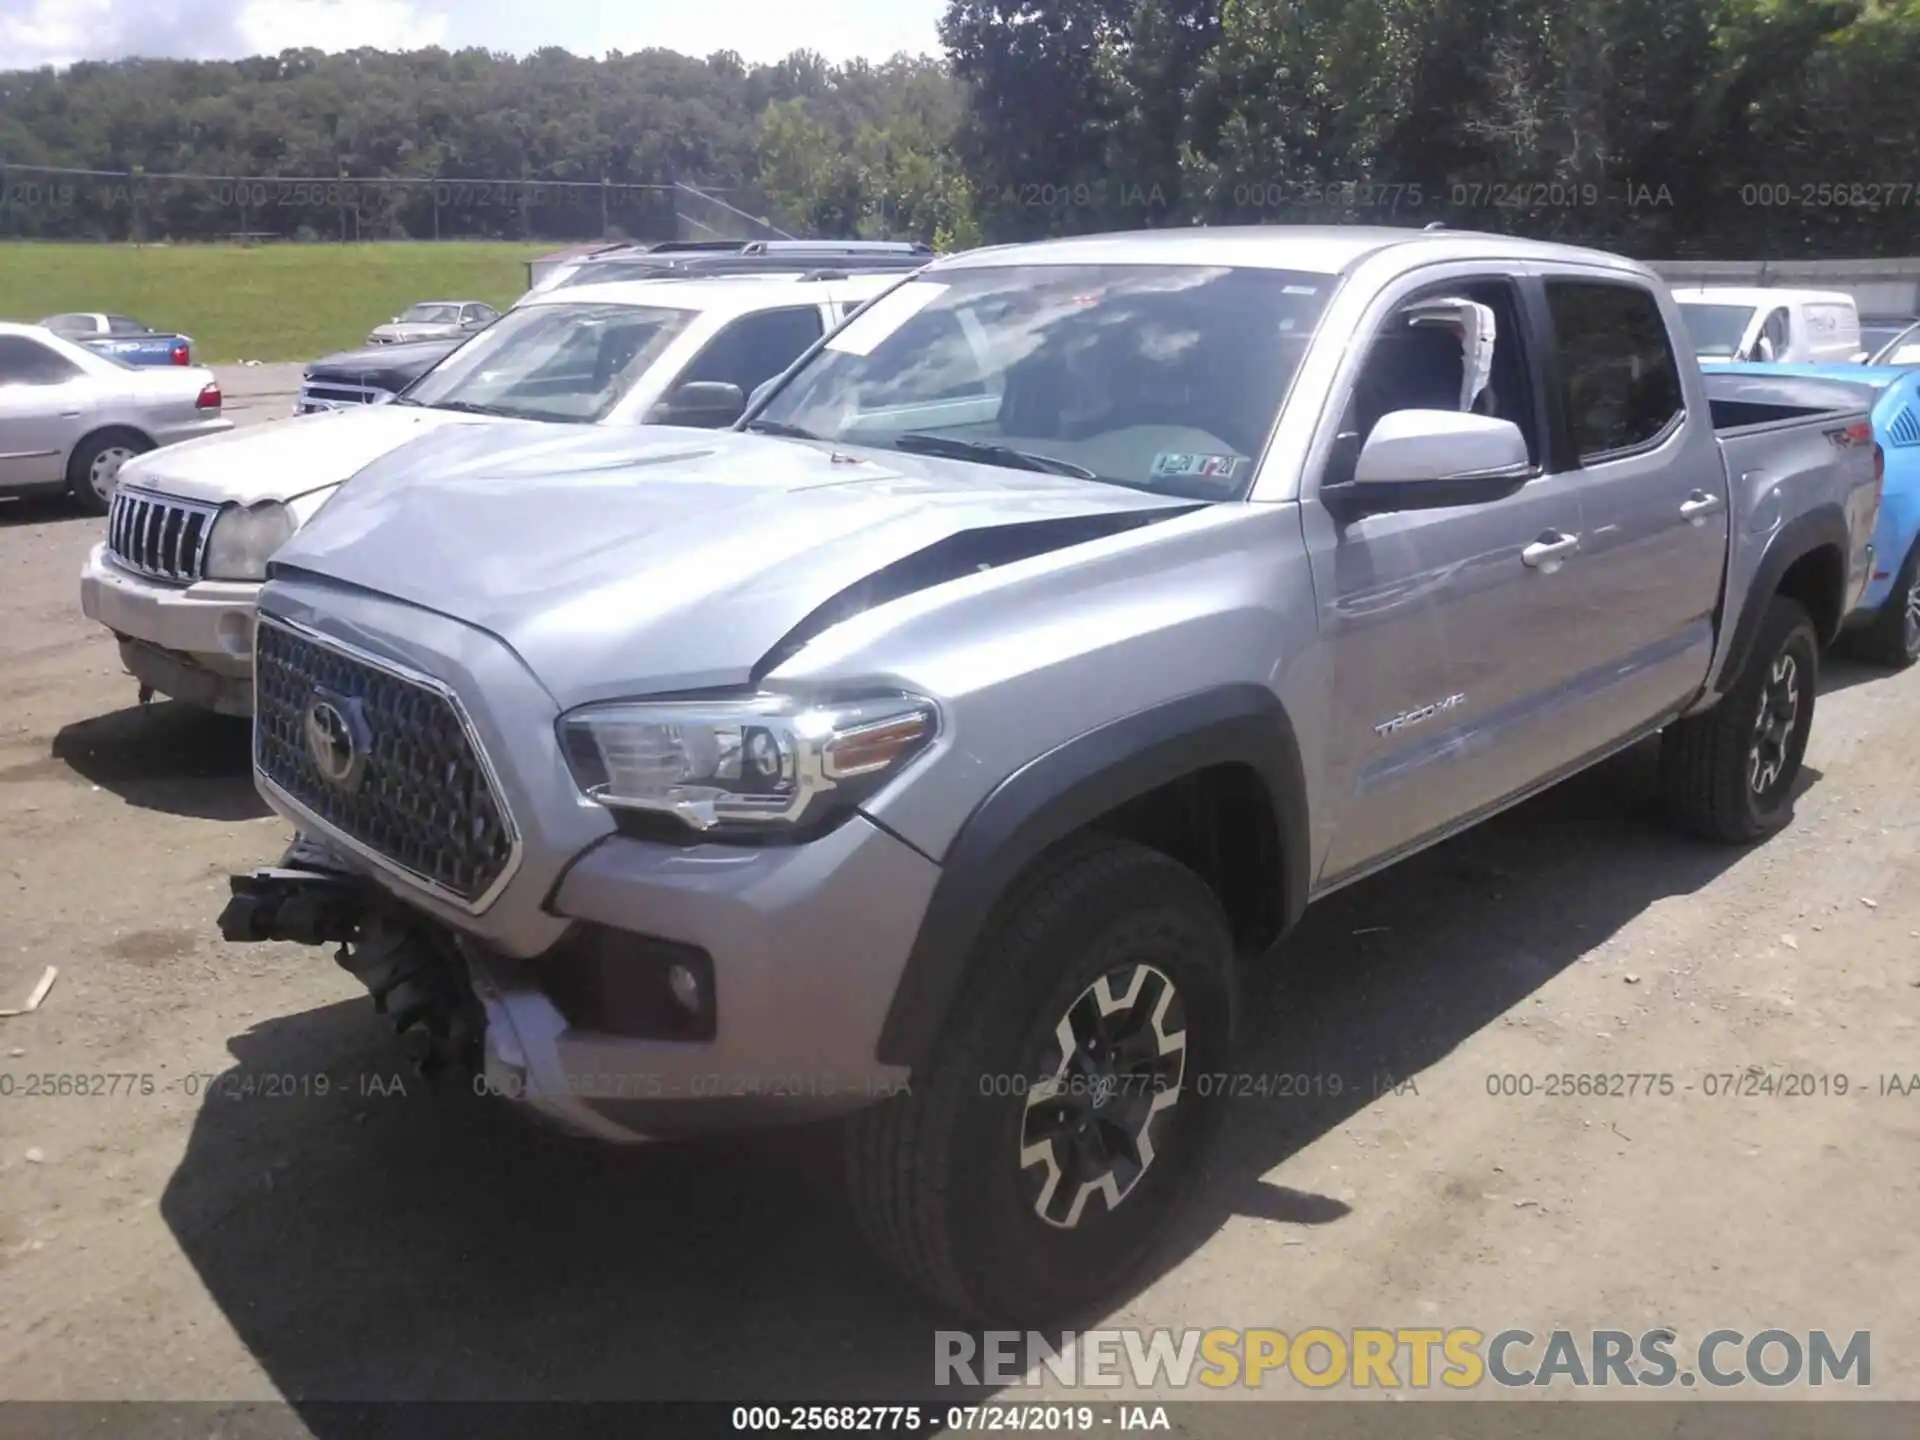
649,560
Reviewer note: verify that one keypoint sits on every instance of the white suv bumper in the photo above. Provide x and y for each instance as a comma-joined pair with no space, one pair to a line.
189,642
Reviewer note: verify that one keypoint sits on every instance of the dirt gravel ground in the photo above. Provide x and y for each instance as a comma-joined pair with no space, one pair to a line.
220,1229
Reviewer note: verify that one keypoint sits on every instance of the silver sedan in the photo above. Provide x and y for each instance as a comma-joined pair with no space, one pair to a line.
71,417
435,320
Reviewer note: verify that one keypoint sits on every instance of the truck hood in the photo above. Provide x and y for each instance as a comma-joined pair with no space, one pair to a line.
389,366
288,458
648,560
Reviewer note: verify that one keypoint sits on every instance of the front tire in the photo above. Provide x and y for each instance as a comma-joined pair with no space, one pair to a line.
1729,774
1892,637
94,469
1069,1102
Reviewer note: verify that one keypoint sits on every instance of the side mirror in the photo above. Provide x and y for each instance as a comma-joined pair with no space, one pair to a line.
702,404
1433,459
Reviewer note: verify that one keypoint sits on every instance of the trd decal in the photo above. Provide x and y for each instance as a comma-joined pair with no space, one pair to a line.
1414,717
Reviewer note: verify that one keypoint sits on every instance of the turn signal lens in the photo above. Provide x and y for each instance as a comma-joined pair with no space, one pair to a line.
871,748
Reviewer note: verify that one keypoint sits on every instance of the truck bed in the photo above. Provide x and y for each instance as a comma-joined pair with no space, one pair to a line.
1742,403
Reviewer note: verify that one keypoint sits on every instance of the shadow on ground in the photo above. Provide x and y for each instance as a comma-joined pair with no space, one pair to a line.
39,508
1840,671
166,756
429,1245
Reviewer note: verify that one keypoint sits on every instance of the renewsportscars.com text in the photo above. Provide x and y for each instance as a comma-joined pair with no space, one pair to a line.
1403,1359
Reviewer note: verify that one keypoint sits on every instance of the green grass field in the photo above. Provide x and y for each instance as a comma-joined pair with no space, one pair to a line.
268,302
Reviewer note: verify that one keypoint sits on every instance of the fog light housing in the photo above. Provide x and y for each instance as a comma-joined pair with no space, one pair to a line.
639,987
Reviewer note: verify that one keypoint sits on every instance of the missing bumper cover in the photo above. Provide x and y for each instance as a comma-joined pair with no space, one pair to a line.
409,963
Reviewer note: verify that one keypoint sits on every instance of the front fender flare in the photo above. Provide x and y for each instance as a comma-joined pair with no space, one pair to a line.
1065,790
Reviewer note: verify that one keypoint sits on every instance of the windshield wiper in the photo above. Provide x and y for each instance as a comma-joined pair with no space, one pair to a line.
951,447
470,407
780,427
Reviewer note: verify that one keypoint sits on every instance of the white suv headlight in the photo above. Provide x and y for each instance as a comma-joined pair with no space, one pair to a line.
765,761
244,538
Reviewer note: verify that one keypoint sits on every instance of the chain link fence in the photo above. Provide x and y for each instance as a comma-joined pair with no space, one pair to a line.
140,206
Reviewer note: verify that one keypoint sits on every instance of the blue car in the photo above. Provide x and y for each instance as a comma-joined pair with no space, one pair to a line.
1886,626
125,339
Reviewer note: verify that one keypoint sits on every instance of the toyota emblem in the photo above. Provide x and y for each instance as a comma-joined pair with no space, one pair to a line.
336,740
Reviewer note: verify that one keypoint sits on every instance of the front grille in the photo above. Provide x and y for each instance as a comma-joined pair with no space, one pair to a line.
1905,429
332,394
423,799
159,536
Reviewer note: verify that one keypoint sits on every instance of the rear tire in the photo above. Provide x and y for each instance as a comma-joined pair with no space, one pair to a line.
975,1187
1892,637
1729,774
93,471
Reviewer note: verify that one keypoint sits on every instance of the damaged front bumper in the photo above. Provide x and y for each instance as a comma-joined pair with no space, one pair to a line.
463,1009
686,990
411,965
452,1015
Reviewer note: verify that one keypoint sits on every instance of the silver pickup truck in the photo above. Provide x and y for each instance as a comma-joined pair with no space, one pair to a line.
930,753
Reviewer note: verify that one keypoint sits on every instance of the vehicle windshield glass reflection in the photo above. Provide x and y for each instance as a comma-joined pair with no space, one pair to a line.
1160,377
1716,330
570,363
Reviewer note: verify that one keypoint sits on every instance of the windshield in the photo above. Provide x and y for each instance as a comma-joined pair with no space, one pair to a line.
69,324
430,315
1716,330
601,272
552,362
1164,378
1903,349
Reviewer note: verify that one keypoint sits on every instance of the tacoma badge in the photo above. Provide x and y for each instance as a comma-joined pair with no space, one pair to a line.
1414,717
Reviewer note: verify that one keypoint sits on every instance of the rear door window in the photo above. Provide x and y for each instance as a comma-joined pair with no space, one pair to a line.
28,362
1620,383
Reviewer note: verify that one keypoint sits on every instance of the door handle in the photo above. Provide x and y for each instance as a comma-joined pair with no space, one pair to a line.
1699,505
1546,553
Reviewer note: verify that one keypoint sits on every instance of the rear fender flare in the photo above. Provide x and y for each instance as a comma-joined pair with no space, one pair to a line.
1824,527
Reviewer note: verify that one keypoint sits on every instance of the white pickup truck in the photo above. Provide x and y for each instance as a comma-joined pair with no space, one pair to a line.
192,527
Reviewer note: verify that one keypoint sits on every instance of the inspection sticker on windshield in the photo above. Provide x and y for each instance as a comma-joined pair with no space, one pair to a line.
884,316
1195,467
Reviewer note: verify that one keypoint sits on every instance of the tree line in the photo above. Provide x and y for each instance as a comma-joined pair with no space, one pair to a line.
1660,127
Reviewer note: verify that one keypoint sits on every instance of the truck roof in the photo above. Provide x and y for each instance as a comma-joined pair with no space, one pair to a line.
1757,295
749,292
1315,249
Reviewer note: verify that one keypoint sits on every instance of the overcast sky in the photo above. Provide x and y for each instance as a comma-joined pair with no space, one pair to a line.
58,32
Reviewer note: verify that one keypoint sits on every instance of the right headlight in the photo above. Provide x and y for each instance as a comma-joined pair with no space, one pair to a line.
244,538
762,761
